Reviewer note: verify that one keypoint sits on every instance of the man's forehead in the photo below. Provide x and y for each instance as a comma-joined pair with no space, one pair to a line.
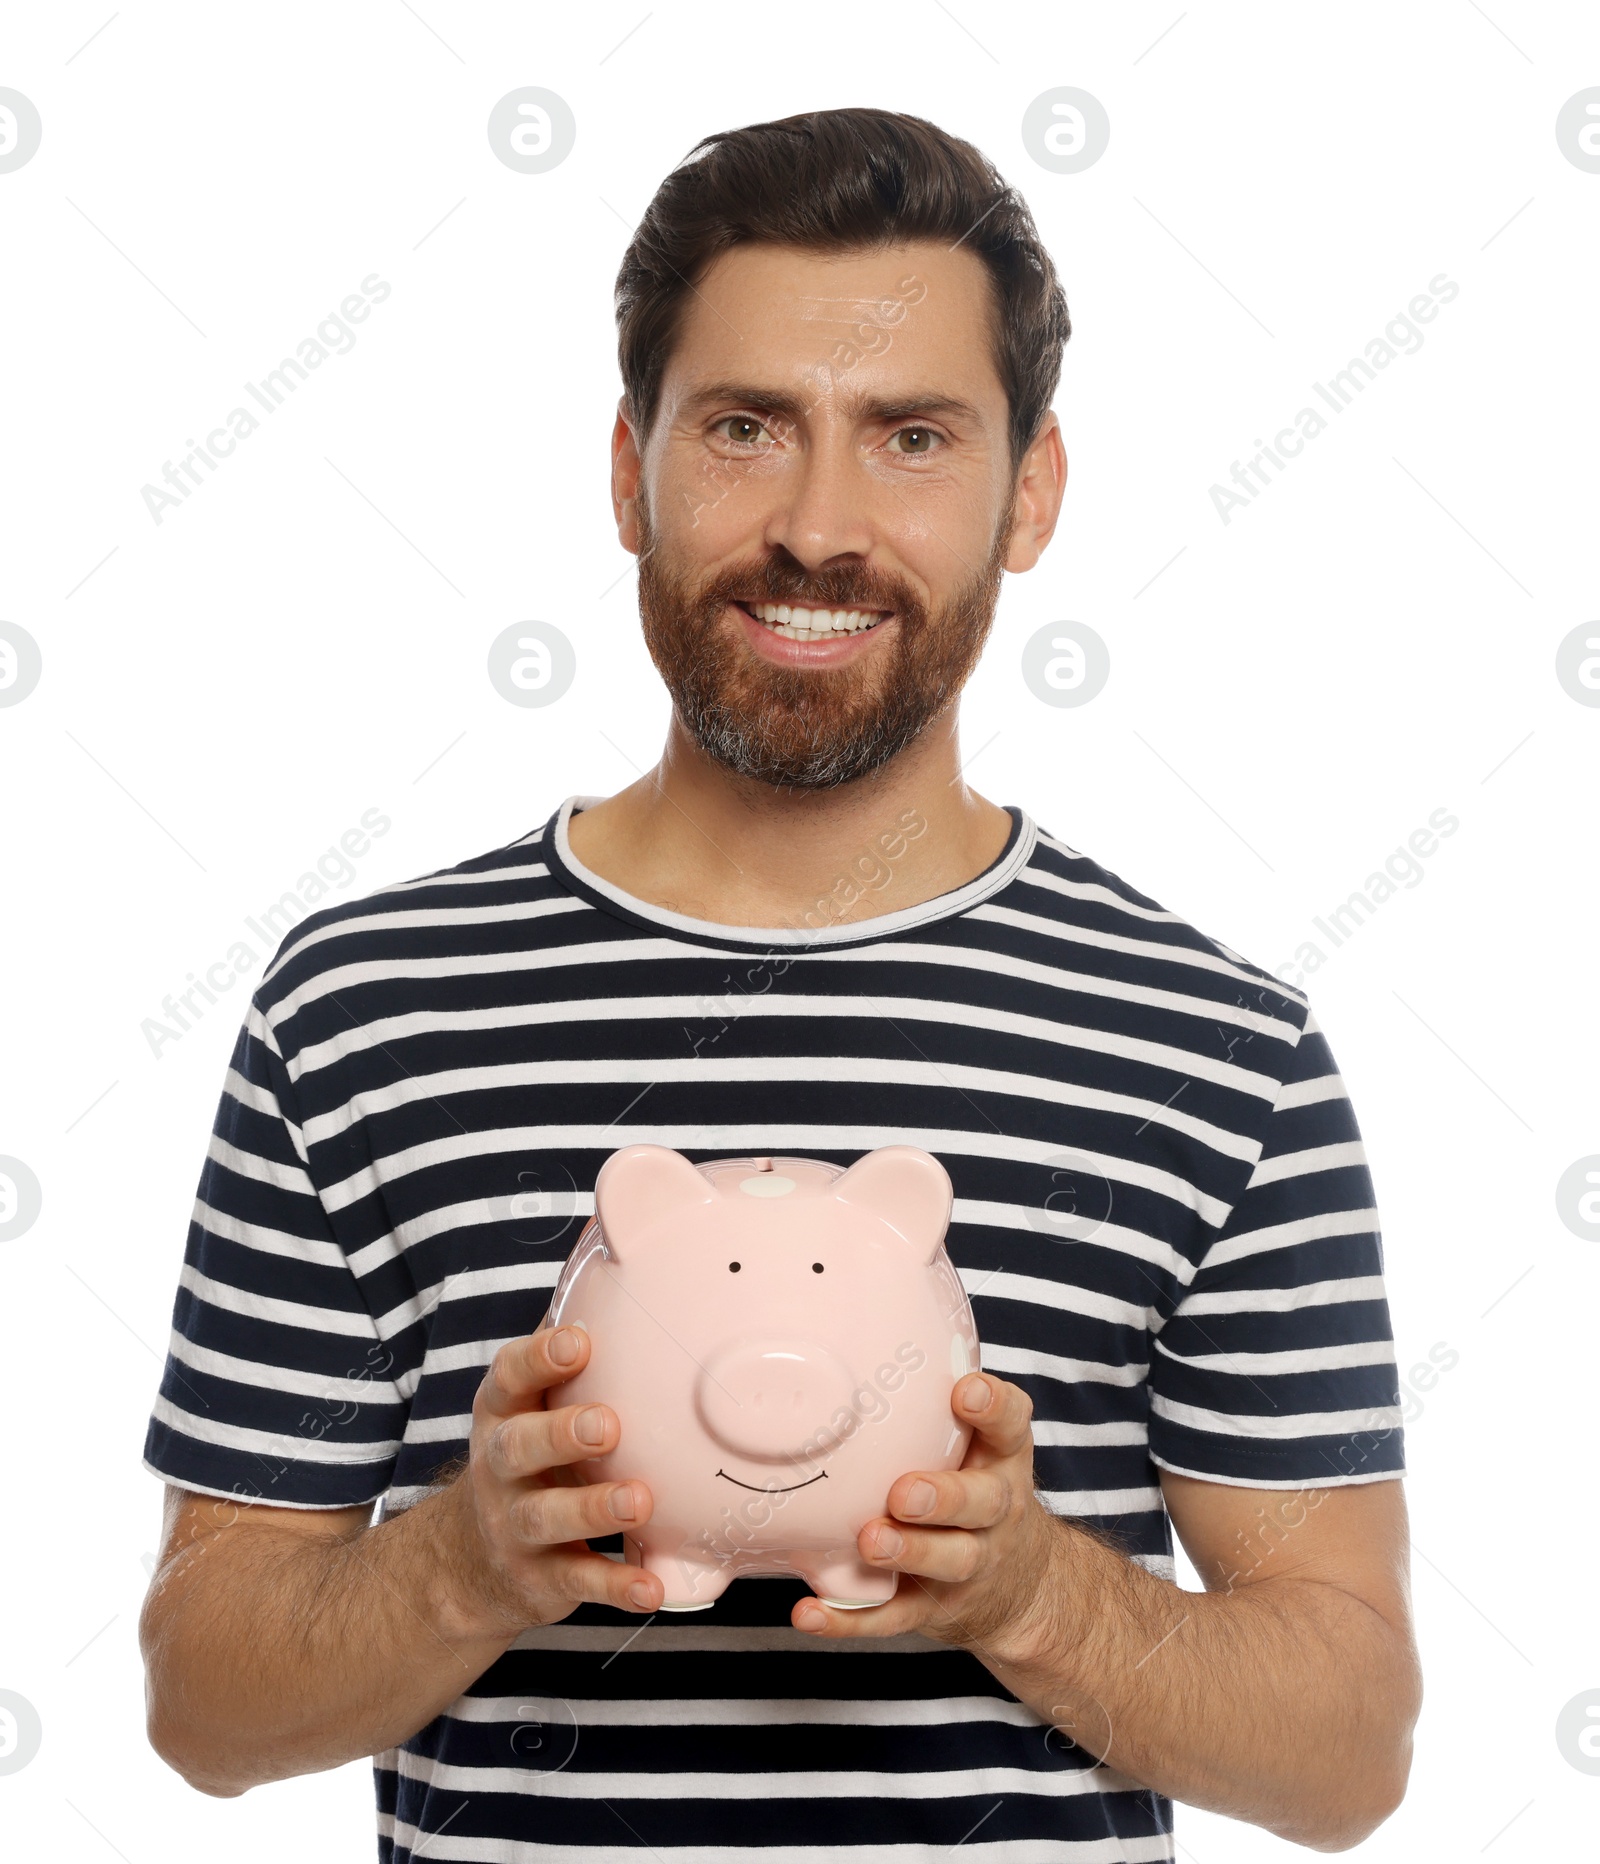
772,312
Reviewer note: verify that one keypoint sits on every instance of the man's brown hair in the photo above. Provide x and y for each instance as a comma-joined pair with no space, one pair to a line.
833,181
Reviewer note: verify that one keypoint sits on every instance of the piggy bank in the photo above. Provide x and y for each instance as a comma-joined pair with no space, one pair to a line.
779,1338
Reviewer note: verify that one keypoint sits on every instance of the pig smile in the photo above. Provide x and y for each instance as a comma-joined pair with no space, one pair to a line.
822,1477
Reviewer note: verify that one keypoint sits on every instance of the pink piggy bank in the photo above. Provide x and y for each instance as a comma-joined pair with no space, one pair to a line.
779,1338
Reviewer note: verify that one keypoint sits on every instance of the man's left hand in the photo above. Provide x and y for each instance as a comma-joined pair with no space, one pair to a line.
975,1548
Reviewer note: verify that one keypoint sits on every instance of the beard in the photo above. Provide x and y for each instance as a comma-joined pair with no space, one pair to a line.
808,729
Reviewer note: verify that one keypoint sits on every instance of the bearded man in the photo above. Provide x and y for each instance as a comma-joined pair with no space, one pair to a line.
803,931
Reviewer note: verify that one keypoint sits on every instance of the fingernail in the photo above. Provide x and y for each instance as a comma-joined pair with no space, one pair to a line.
811,1617
621,1503
891,1543
920,1497
563,1346
591,1425
639,1592
980,1396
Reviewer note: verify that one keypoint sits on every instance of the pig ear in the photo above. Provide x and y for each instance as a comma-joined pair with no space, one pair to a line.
908,1188
642,1187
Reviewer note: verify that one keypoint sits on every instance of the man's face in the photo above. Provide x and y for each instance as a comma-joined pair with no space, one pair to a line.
823,506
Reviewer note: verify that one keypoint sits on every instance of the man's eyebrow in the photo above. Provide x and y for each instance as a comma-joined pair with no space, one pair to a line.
795,407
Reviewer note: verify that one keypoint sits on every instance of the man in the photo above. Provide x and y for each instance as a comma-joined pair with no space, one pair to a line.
803,932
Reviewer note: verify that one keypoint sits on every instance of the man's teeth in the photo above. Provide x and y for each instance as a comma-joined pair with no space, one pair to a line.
810,624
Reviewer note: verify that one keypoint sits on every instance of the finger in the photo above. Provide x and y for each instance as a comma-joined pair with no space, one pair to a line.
589,1578
529,1443
525,1368
981,1497
909,1610
548,1517
947,1553
999,1412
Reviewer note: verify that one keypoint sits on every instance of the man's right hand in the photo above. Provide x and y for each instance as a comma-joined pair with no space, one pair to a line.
524,1515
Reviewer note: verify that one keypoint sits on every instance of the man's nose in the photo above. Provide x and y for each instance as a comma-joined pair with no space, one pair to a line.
824,504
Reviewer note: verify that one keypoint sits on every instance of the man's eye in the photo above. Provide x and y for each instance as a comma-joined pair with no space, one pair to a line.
743,429
915,440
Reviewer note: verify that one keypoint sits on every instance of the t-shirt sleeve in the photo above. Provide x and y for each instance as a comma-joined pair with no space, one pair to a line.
278,1385
1277,1367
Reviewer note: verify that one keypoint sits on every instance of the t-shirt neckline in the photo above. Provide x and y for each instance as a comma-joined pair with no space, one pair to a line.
583,881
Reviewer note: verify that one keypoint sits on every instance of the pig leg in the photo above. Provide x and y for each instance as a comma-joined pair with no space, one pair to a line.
691,1585
844,1580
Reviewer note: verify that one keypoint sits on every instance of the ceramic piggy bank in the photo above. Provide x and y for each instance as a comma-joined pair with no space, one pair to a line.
779,1338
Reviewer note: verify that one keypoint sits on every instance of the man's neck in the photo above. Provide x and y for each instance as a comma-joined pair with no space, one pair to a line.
694,839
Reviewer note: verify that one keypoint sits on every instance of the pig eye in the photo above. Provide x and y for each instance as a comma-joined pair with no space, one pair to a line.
816,1268
734,1266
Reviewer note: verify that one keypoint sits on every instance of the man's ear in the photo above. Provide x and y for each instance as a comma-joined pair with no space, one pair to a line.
908,1189
640,1188
626,470
1036,501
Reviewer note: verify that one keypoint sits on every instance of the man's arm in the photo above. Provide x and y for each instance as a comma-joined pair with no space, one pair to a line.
281,1641
1284,1695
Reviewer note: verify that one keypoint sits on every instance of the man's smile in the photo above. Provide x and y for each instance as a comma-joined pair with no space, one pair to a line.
790,635
797,623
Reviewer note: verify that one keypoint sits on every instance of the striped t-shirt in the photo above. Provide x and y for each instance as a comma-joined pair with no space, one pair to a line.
1163,1216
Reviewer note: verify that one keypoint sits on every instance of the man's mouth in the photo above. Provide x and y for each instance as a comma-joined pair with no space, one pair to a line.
813,624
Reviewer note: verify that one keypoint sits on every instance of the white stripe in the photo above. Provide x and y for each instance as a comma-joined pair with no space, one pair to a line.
1323,1479
1158,949
375,918
1048,1433
291,1178
439,1429
1285,1300
250,1501
742,1711
1091,889
1309,1093
1066,1297
395,969
1026,1359
270,1308
1101,1501
315,1250
1278,1426
517,1141
672,1639
352,1389
1104,1235
798,1783
1291,1360
450,1848
1285,1235
1313,1159
250,1094
760,1069
662,950
1059,977
736,1005
464,1285
286,1446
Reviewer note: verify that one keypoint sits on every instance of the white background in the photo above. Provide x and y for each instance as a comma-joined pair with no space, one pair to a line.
1373,639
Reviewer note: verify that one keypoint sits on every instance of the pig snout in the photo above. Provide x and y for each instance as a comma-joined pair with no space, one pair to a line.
773,1400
